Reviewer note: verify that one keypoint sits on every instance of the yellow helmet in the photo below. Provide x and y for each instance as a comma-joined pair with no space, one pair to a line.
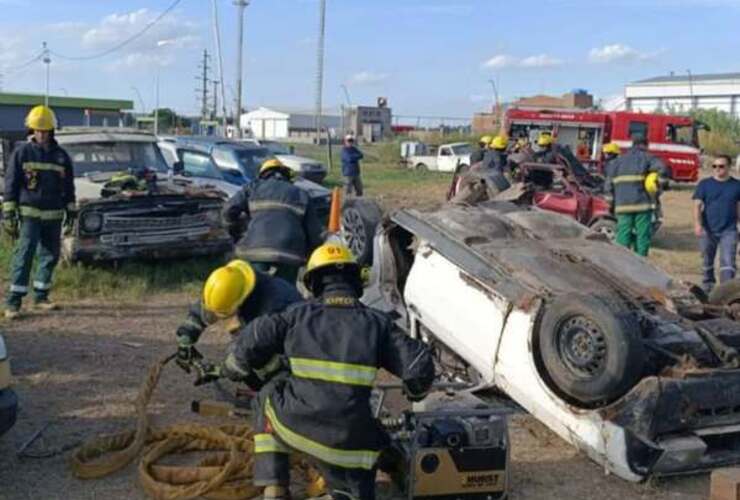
329,255
545,139
41,118
228,287
274,164
486,139
611,149
500,142
652,183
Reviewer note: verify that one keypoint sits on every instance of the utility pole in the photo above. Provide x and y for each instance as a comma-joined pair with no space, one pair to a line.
204,85
691,89
220,60
215,98
320,69
47,62
241,5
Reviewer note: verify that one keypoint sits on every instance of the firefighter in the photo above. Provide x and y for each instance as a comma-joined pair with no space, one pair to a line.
235,291
635,191
320,406
39,195
283,226
495,158
546,148
478,154
611,152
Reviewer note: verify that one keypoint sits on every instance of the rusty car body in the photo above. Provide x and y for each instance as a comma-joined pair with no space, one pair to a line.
152,216
626,363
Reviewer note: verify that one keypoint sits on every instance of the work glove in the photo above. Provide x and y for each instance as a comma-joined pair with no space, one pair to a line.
207,373
70,216
187,354
11,224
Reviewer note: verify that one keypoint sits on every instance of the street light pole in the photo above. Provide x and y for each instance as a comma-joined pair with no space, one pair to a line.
156,107
349,105
691,89
495,100
47,62
320,69
240,4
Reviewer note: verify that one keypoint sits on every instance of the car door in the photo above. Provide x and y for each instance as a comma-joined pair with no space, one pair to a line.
446,160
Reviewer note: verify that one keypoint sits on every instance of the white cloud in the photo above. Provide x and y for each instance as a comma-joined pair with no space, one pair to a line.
368,78
501,61
618,52
540,61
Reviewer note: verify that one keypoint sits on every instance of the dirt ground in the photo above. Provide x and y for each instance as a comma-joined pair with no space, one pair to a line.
78,370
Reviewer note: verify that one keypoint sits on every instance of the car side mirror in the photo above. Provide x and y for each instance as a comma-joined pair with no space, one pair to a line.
178,167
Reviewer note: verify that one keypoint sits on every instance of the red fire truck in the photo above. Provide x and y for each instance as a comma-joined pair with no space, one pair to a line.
672,138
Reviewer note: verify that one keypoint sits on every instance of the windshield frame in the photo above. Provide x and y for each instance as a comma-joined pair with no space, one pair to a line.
87,168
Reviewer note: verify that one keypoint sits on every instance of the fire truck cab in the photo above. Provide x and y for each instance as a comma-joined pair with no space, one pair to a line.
674,139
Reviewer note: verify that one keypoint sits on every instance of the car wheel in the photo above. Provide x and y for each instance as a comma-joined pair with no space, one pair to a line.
607,227
590,349
360,217
421,167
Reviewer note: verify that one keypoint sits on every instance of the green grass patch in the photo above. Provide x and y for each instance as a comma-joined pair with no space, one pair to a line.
126,280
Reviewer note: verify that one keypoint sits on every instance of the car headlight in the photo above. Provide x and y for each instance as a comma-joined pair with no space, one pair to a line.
91,222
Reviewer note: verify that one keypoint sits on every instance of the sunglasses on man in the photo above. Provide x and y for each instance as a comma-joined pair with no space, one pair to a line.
719,165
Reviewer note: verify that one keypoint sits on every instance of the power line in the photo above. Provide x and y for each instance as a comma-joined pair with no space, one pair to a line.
11,69
123,43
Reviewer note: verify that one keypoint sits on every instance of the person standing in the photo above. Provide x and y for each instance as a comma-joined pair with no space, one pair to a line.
351,157
634,191
716,205
478,155
39,195
495,158
283,225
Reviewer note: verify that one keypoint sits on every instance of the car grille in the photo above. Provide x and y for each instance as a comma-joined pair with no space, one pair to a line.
174,236
154,223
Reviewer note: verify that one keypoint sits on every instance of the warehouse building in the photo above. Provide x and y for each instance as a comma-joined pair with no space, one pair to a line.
70,111
678,94
268,123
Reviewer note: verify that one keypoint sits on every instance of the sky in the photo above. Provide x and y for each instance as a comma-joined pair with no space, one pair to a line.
428,57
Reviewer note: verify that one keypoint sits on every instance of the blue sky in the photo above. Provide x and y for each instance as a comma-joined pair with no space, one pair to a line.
431,57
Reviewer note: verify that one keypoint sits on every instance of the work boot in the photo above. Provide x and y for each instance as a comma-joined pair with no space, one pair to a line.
45,305
276,493
12,312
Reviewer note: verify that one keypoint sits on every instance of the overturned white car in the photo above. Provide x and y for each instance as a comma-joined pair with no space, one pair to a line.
609,352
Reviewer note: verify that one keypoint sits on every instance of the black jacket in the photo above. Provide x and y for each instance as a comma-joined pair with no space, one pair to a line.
270,295
39,182
495,160
283,225
335,346
626,178
477,156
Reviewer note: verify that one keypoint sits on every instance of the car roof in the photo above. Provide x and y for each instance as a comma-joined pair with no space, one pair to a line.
71,135
206,143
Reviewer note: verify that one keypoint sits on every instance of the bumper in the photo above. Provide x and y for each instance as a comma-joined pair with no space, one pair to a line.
8,410
680,425
96,250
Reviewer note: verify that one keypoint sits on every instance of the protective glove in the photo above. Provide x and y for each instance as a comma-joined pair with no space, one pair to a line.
187,354
70,216
207,373
11,224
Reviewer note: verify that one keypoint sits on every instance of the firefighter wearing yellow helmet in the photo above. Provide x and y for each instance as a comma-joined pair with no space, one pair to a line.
634,178
477,155
546,151
334,347
496,159
39,195
235,291
282,223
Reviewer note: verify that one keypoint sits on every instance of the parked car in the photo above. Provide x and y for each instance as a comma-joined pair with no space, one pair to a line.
308,168
8,398
130,206
196,164
612,354
239,163
445,158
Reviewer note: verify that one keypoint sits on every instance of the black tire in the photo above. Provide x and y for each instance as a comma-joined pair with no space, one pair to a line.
421,167
590,349
726,294
360,218
607,227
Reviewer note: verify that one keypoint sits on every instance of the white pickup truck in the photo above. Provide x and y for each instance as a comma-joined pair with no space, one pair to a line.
444,158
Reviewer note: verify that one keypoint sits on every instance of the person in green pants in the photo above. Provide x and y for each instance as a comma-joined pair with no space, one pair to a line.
633,196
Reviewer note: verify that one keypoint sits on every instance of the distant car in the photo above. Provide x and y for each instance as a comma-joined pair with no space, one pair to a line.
445,158
125,213
305,167
8,398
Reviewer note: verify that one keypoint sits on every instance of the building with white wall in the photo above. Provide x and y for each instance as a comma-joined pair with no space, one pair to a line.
269,123
683,93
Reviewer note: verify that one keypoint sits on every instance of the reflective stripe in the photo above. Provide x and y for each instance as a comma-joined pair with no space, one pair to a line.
628,178
255,206
331,371
10,206
269,255
37,213
266,443
349,459
727,268
31,166
71,206
18,289
625,209
38,285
